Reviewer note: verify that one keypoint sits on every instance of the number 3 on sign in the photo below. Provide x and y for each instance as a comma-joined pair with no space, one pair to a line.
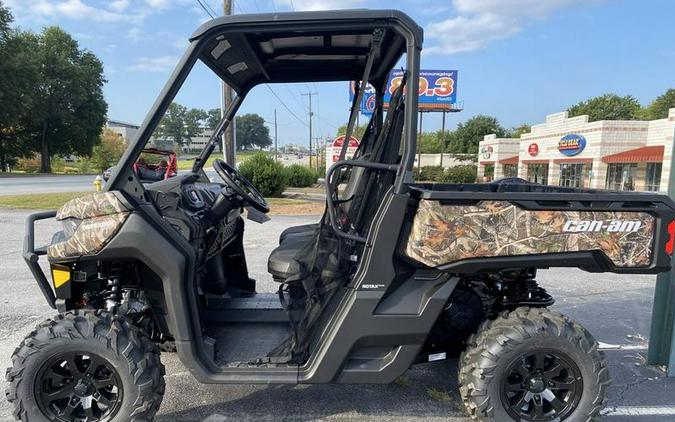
444,87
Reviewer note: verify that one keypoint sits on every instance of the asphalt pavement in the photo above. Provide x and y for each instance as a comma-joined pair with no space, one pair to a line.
615,308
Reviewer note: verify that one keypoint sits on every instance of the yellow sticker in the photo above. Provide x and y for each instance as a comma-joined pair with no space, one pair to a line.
60,277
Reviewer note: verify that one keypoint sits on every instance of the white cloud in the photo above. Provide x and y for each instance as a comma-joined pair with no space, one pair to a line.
158,4
154,64
118,5
299,5
69,9
479,22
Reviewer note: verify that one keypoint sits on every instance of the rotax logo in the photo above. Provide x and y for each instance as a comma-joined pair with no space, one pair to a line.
571,144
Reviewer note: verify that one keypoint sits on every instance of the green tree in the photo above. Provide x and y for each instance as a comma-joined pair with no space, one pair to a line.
252,132
180,124
658,109
18,74
67,109
466,137
519,130
108,152
607,107
430,143
213,118
357,133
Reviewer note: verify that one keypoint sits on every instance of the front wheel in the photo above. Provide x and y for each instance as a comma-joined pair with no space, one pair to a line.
533,365
86,366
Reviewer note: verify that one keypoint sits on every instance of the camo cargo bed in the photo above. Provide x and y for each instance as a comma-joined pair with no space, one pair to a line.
468,228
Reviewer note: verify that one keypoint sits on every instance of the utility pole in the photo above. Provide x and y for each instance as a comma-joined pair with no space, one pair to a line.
229,148
309,95
276,145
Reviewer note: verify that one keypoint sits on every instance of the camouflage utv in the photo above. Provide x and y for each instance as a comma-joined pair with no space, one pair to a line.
395,273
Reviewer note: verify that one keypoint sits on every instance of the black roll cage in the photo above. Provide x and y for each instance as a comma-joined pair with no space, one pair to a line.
124,178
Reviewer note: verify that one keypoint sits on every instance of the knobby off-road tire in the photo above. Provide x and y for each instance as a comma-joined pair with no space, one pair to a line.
502,347
112,347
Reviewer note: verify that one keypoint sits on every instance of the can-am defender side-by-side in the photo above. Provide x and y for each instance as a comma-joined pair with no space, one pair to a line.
395,272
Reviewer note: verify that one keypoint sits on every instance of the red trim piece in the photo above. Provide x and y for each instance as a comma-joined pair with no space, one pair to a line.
650,154
573,161
510,160
535,161
671,238
486,163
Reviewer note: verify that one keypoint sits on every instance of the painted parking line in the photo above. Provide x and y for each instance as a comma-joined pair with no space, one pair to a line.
632,346
639,411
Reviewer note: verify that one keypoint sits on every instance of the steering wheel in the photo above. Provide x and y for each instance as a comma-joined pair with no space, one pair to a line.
240,185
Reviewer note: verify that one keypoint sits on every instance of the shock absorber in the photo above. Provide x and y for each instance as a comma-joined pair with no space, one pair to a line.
114,294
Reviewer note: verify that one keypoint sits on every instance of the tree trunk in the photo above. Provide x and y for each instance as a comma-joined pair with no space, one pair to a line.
3,157
45,163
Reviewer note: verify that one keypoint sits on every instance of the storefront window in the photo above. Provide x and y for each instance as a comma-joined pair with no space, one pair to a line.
489,173
653,176
537,173
574,175
621,176
510,170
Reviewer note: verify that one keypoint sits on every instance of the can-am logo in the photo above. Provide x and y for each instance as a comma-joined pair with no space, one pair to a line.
612,226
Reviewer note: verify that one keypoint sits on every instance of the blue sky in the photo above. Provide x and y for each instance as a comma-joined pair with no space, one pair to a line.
518,60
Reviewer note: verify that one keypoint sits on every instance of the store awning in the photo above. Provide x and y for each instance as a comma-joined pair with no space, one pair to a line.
486,163
573,161
535,161
651,154
510,160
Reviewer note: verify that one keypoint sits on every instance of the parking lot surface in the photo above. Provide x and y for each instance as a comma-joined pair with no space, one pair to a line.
616,309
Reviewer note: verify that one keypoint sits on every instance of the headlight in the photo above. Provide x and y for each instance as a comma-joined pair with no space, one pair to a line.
70,225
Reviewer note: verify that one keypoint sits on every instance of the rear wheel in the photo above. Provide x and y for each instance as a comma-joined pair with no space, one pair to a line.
533,365
86,366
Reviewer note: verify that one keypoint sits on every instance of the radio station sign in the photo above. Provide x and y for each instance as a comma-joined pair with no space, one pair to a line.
486,152
571,145
437,91
333,150
533,150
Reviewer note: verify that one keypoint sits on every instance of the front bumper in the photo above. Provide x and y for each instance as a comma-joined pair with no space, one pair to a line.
31,255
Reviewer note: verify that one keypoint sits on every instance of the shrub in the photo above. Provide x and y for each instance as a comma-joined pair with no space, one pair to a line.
460,174
301,176
30,164
266,174
430,174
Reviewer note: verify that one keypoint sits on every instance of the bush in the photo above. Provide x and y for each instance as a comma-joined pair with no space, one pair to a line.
266,174
301,176
460,174
29,165
430,174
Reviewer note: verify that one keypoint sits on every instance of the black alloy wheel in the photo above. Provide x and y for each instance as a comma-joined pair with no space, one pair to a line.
543,385
78,386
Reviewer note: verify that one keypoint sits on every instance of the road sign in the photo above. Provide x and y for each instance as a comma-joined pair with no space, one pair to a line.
333,150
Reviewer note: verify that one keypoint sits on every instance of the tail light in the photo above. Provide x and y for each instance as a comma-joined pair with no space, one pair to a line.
671,238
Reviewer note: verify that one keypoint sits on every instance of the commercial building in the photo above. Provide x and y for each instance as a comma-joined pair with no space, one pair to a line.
606,154
125,130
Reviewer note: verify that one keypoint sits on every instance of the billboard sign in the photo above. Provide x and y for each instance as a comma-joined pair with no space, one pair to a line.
437,90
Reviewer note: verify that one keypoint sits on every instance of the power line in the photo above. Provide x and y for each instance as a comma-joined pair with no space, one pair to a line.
285,106
210,7
205,9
